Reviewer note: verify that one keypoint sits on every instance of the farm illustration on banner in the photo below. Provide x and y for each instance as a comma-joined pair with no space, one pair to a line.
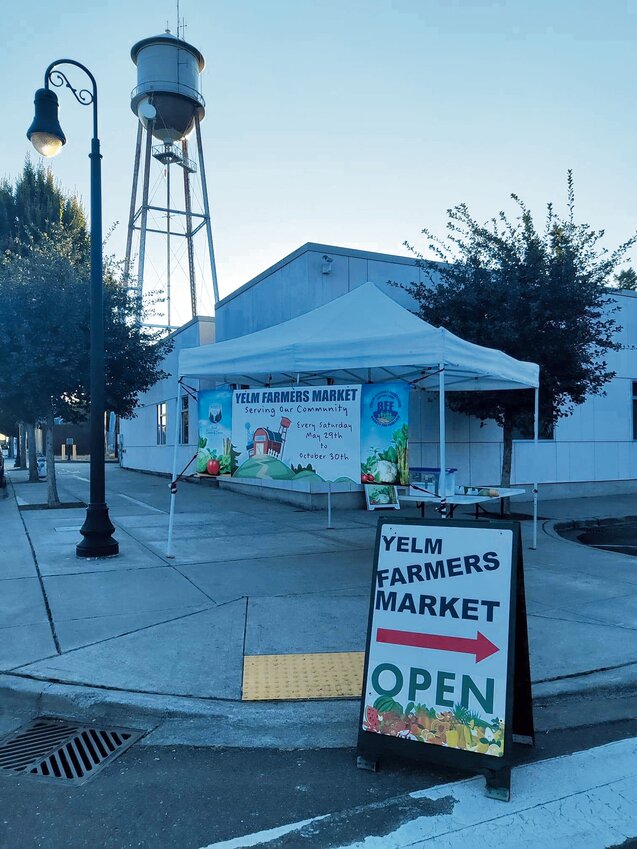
345,433
290,433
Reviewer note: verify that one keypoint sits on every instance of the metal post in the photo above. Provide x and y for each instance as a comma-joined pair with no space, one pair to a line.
97,529
536,461
144,221
133,199
168,242
191,252
443,440
204,187
329,505
173,480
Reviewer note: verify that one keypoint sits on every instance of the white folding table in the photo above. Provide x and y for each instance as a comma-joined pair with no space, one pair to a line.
454,501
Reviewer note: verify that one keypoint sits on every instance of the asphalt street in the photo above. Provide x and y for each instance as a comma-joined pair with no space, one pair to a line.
186,798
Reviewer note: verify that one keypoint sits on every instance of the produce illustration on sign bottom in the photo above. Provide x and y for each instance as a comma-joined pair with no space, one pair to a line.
438,644
459,728
381,495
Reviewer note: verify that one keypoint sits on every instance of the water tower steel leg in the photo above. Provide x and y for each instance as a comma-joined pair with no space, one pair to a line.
133,199
191,252
168,243
144,221
204,187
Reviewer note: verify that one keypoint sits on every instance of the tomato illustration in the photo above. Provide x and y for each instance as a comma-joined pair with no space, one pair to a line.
213,466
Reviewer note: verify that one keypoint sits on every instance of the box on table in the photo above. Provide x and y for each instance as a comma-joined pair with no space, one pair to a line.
428,478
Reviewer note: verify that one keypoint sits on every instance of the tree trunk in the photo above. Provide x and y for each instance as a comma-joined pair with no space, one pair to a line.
33,460
507,452
23,445
53,499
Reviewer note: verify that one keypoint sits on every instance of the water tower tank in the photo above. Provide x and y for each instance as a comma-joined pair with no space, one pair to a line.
168,76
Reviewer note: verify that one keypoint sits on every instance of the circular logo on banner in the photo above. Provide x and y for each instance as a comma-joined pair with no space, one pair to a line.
385,408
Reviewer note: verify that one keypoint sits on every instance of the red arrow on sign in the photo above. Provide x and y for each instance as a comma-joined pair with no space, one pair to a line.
481,646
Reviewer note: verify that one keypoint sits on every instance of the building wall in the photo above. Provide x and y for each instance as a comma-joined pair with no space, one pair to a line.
139,434
297,284
594,443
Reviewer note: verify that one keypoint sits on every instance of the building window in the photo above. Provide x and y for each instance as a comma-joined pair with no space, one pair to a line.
161,423
183,429
634,409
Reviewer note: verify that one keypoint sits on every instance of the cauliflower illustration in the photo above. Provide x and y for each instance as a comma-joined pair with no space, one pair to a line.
386,471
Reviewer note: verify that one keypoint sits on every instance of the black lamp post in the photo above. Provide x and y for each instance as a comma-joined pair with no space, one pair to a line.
48,139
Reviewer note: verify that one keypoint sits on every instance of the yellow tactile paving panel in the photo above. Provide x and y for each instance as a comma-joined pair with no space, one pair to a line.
329,675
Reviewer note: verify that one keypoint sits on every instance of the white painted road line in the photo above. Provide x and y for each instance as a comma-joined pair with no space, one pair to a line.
141,503
586,800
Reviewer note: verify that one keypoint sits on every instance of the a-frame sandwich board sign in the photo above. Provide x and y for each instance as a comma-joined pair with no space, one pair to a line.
446,677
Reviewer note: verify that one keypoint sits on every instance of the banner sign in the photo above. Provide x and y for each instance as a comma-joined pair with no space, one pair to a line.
215,454
332,433
439,663
384,419
295,432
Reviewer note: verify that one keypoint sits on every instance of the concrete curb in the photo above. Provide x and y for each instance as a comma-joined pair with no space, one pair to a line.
593,523
570,702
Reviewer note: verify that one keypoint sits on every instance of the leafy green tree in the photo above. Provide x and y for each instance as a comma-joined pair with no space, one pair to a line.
30,209
44,322
538,295
627,279
41,322
45,315
34,204
133,352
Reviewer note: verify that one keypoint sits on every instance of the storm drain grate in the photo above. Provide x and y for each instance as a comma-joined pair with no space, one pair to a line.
56,749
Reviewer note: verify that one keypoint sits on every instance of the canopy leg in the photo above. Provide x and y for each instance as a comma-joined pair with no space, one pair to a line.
329,505
442,485
536,462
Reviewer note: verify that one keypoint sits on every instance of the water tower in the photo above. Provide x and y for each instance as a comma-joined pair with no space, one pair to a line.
168,103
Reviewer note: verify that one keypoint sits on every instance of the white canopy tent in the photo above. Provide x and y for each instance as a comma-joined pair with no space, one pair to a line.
365,337
362,337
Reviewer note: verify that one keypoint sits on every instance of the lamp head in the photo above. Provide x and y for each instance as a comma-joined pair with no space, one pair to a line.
45,133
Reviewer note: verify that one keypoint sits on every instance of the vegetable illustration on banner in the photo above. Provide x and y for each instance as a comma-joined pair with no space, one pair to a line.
297,432
437,662
216,454
384,435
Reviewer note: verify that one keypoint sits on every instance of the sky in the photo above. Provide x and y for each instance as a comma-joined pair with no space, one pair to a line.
351,122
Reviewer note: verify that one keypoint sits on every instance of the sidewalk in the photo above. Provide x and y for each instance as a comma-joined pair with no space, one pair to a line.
165,641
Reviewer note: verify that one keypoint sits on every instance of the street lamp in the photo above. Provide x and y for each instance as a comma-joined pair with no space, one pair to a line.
48,139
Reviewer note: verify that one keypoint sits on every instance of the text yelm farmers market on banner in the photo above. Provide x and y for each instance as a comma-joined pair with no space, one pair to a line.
438,654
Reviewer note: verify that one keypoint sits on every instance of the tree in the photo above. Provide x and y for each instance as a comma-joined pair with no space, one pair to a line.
34,204
44,323
538,296
133,353
42,320
627,279
44,315
32,208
